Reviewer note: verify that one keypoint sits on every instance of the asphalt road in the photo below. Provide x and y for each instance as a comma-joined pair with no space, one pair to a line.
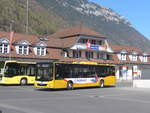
27,99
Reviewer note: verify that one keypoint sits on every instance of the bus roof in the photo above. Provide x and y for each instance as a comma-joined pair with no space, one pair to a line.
85,63
81,63
19,62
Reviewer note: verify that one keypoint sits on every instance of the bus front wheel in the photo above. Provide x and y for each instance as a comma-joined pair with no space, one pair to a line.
70,85
101,84
23,81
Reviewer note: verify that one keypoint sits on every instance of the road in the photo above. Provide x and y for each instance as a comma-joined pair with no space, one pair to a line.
27,99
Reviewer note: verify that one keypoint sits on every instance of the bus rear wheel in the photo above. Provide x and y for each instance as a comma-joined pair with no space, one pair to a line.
70,85
23,81
101,84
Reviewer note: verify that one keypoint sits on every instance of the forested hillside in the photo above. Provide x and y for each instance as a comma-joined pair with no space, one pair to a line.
48,16
41,21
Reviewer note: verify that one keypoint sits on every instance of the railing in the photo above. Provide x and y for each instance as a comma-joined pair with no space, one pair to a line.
92,47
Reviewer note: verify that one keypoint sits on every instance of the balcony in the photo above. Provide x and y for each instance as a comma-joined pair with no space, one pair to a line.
95,47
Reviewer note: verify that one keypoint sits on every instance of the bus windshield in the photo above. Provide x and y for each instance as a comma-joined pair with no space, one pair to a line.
44,72
11,69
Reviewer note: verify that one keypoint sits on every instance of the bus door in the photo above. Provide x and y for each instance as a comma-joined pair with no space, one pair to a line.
1,70
60,74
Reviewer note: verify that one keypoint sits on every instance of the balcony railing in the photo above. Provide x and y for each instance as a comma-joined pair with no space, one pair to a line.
95,47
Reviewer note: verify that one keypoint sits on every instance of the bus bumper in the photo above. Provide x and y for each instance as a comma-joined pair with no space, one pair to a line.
44,84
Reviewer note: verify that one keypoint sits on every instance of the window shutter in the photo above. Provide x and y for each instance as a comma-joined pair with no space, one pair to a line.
35,50
44,51
17,49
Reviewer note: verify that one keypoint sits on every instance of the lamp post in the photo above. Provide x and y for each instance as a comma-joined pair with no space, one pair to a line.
11,26
27,16
11,38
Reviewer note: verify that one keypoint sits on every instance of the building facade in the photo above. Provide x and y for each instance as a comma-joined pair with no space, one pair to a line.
132,62
75,44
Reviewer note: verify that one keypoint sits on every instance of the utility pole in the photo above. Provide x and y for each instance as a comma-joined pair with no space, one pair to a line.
11,38
11,25
27,16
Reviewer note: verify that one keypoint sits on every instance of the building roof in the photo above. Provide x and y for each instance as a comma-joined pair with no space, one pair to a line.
19,37
75,31
128,49
32,39
68,37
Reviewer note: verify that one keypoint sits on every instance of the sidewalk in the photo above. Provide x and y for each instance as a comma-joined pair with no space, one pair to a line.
124,83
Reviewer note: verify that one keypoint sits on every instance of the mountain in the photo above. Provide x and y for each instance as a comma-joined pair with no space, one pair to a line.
48,16
39,17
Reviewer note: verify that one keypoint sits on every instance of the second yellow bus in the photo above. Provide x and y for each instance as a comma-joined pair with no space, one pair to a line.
56,75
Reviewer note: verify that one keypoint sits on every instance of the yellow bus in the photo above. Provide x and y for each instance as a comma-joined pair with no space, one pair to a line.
15,72
56,75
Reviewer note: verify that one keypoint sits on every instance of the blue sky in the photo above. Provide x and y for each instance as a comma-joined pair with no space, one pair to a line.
136,11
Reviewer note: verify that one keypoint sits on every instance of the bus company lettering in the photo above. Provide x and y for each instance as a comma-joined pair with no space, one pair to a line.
84,80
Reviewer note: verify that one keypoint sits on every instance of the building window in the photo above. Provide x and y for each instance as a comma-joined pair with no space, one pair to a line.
22,47
4,48
93,41
23,50
41,51
40,48
134,57
89,55
109,57
38,51
1,48
83,41
76,54
100,56
123,56
99,42
144,58
103,56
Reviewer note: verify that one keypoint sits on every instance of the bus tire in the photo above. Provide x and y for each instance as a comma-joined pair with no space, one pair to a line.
70,85
101,84
23,81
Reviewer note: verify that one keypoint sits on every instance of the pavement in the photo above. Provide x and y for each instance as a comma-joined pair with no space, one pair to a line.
124,83
119,99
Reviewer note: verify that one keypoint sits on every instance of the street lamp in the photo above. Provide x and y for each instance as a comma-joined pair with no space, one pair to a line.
27,16
11,38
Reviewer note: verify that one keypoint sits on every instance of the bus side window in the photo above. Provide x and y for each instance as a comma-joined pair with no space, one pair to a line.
31,71
59,72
